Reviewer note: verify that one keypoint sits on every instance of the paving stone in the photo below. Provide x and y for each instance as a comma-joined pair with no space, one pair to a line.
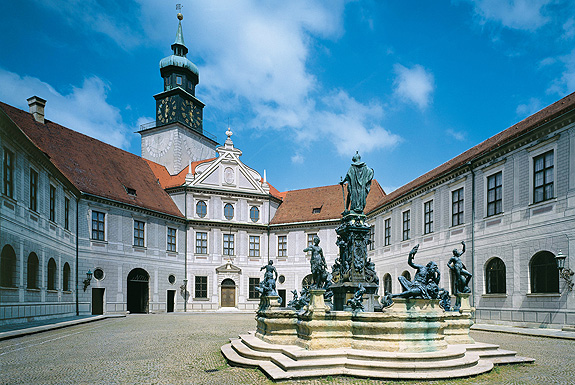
185,349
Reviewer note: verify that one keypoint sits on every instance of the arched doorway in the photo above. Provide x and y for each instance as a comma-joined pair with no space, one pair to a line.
228,293
138,291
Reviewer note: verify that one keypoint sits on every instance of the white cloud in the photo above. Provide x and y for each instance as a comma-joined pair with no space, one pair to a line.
565,84
414,84
349,125
297,159
529,108
457,135
252,57
526,15
84,109
569,29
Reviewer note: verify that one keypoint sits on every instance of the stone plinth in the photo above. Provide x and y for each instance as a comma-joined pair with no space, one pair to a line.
275,325
459,322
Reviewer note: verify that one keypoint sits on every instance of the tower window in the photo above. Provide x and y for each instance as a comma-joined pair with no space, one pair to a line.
179,80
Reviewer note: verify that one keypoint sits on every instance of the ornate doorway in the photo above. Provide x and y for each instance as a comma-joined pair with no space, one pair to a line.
228,293
138,291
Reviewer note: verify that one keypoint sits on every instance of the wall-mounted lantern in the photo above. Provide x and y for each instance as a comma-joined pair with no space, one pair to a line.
564,273
88,279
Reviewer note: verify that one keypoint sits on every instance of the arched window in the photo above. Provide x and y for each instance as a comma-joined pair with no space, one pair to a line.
201,209
51,274
229,211
387,283
495,276
407,275
32,274
544,273
307,281
66,277
8,267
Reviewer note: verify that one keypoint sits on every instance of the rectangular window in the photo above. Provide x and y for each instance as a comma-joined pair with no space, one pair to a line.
33,190
8,173
139,233
387,232
252,292
201,243
428,217
543,177
201,287
52,203
98,225
372,238
228,244
171,239
282,246
67,213
495,194
406,225
310,241
254,246
179,80
457,207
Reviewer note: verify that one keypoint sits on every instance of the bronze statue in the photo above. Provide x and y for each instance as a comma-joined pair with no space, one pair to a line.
318,264
356,302
462,276
425,283
358,180
268,286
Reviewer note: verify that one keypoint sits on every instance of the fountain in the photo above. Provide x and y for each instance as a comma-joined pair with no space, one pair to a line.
338,326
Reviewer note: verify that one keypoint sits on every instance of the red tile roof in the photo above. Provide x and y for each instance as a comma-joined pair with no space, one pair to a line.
528,124
95,167
298,205
166,179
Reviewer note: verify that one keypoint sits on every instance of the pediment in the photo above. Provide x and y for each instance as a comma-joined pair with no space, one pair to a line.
229,173
228,267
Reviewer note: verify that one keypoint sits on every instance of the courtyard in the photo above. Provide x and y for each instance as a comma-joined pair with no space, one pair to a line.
182,348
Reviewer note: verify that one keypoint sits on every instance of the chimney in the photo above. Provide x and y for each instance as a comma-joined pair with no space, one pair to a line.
37,105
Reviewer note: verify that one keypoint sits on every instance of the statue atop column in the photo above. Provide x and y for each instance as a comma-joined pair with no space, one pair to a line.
358,180
318,264
268,286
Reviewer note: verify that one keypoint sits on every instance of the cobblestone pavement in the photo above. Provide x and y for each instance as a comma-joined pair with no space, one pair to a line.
185,349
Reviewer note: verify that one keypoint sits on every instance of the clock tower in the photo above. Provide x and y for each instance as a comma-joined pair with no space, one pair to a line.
177,136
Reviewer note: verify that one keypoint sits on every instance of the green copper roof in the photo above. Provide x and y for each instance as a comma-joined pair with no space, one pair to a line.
179,35
179,61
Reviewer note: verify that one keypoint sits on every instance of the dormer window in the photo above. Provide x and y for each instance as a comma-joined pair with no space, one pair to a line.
179,80
130,191
316,210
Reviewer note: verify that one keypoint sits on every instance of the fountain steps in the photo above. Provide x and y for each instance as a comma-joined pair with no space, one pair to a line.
289,361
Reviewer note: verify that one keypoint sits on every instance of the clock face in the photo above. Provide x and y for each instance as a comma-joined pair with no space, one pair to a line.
166,110
192,114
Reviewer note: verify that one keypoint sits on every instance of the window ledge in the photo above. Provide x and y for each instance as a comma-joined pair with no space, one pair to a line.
201,299
543,294
66,291
543,203
98,241
9,288
494,216
253,299
172,253
141,248
52,291
494,295
32,289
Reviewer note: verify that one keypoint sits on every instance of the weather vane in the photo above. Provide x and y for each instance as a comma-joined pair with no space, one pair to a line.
178,7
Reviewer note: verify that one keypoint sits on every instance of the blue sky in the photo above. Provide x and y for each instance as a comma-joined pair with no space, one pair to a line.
303,84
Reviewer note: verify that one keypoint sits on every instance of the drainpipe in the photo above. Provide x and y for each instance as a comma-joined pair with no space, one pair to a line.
77,258
472,235
186,249
268,227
